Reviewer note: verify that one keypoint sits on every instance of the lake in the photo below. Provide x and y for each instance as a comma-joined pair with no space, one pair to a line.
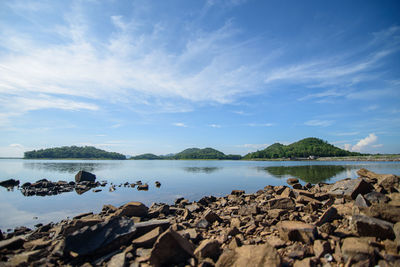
190,179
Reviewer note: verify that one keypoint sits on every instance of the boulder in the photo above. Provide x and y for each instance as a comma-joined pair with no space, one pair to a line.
170,249
147,240
211,216
368,226
9,183
12,243
83,176
350,188
237,192
384,211
328,216
250,255
358,249
376,197
297,231
118,260
130,209
321,247
292,181
209,248
281,203
361,202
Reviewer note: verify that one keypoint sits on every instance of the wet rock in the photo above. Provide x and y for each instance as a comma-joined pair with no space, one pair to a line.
210,248
171,248
281,203
350,188
368,226
9,183
327,216
358,249
292,181
130,209
250,255
83,176
297,231
147,240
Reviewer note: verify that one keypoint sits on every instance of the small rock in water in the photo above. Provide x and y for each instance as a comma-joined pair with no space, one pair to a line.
158,184
143,187
112,188
97,190
82,176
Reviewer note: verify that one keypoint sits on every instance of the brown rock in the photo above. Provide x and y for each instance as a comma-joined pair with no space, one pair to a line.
82,176
235,222
275,241
361,202
306,262
321,247
147,240
171,248
328,216
376,197
384,211
12,243
211,216
297,231
118,260
287,192
387,181
209,248
368,226
358,249
250,255
237,192
292,181
276,213
24,258
281,203
131,209
78,224
190,233
350,188
396,229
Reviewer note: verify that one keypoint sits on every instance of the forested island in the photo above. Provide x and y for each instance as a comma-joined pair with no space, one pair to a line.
308,147
72,152
192,153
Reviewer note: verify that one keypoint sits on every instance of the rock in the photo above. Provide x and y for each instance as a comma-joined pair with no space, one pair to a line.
368,226
12,243
190,233
275,241
157,183
361,202
209,248
171,248
350,188
193,207
321,247
24,258
202,223
9,183
358,249
376,197
281,203
130,209
78,224
384,211
297,231
147,240
297,186
143,187
250,255
118,260
211,216
97,190
287,192
82,215
387,181
237,192
327,216
83,176
292,181
396,229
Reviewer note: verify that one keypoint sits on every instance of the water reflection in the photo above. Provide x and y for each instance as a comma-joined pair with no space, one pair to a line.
70,167
202,169
308,173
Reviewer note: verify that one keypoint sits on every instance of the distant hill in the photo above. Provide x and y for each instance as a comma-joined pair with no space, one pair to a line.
72,152
192,153
301,149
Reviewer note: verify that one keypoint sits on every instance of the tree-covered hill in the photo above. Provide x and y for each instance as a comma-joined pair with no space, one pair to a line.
72,152
146,156
301,149
192,153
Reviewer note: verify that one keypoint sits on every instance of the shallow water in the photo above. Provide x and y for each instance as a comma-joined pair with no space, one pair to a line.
190,179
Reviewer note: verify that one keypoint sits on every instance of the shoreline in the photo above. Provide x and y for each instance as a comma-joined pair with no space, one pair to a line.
295,226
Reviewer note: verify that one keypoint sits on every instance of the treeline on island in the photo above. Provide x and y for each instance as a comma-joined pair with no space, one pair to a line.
72,152
308,147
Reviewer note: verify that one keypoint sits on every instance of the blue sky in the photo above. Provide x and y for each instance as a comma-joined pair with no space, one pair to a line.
162,76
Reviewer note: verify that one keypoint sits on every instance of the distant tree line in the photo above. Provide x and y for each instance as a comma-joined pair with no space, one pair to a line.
72,152
192,153
301,149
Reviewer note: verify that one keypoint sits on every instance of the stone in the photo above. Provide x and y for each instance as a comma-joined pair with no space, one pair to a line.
297,231
292,181
143,187
211,216
118,260
358,249
287,192
297,186
235,222
82,215
209,248
24,258
189,233
368,226
384,211
321,247
361,202
281,203
202,223
237,192
193,207
9,183
350,188
306,262
147,240
250,255
387,181
131,209
376,197
328,216
275,241
396,229
12,243
171,248
276,213
78,224
82,176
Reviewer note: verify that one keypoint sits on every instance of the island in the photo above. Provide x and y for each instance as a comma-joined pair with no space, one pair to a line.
72,152
192,153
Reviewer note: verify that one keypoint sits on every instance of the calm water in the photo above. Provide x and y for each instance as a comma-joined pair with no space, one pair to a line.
189,179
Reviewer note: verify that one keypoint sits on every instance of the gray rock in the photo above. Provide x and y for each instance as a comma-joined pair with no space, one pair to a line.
82,176
350,188
376,197
361,202
368,226
281,203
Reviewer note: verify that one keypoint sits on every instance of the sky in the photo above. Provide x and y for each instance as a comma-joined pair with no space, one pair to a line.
161,76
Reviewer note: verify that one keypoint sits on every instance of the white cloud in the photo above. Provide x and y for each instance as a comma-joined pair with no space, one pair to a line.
347,147
254,146
347,133
364,144
260,124
214,125
13,150
321,123
179,124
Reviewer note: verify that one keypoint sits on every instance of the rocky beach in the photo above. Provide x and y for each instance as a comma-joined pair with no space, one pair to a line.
351,222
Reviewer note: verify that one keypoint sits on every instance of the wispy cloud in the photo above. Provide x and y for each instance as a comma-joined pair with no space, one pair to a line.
260,124
253,146
346,133
179,124
321,123
214,125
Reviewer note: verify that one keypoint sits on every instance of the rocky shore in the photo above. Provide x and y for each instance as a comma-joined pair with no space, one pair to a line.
351,222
